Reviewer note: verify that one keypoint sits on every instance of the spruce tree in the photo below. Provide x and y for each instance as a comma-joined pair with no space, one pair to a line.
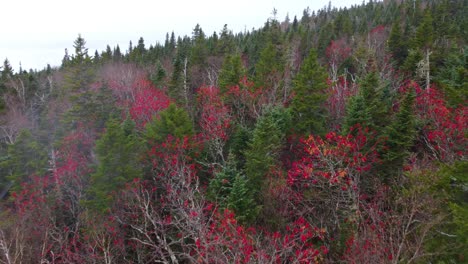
118,152
231,72
242,200
309,88
270,67
267,139
396,44
172,121
25,157
401,134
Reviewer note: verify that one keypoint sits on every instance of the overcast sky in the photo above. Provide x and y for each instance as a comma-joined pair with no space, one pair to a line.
37,32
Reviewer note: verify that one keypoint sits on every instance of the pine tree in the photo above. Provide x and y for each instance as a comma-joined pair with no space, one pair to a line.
309,88
159,75
371,91
424,33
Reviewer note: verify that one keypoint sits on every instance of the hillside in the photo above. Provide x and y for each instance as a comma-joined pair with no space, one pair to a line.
335,137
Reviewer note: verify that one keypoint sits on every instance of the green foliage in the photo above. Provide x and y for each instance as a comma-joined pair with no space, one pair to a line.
424,33
220,186
159,76
241,200
92,108
172,121
118,152
414,56
239,143
230,189
396,44
231,72
454,78
401,134
267,139
368,108
23,159
79,73
270,67
452,235
309,88
357,113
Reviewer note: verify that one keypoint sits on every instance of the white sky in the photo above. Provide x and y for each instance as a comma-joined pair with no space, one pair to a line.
37,32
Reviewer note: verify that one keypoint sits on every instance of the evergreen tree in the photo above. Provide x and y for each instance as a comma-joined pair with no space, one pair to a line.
269,68
118,152
26,157
267,139
159,75
172,121
241,200
231,72
357,114
309,88
396,44
226,43
199,50
220,186
6,73
424,33
371,91
401,134
79,71
81,52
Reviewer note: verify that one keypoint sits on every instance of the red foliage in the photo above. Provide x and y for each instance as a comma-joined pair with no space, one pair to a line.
338,159
338,94
135,92
214,121
147,102
246,102
444,128
337,52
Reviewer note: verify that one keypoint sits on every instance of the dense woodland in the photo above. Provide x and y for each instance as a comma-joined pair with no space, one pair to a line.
335,137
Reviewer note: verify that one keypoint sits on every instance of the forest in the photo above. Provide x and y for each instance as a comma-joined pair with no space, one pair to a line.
335,137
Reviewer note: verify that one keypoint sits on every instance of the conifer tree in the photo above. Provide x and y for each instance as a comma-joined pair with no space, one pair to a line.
396,44
309,88
357,114
25,158
241,200
79,71
172,121
118,152
269,68
401,134
263,150
231,72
